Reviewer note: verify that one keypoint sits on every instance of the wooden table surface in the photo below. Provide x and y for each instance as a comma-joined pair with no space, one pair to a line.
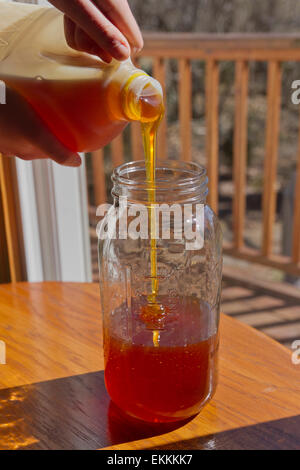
52,393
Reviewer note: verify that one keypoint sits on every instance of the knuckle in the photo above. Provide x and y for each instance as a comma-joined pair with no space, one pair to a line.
109,32
107,6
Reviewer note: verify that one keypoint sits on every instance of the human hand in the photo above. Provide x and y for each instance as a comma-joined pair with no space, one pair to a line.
106,28
23,134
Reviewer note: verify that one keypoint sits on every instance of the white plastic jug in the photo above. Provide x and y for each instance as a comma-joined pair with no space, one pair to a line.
84,101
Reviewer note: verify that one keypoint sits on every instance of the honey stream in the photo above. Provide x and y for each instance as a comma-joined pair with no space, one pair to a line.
152,111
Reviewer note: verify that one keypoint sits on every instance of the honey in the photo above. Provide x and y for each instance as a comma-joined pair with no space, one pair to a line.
168,383
77,112
149,132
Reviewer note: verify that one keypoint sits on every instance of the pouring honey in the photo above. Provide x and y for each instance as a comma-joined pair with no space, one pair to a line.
162,368
160,344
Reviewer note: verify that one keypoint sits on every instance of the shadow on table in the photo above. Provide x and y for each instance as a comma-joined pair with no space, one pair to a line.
69,413
281,434
76,413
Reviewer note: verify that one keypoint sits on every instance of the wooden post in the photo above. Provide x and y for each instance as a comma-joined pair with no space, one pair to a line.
117,151
4,261
271,151
136,141
99,177
240,151
159,72
13,232
212,130
185,108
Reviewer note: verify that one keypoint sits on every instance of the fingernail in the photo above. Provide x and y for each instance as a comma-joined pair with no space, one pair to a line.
135,50
72,160
121,51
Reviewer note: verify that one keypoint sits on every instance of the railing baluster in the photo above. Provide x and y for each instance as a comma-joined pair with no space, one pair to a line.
240,151
271,154
212,49
212,130
185,108
117,151
4,258
296,220
159,72
136,141
9,205
99,177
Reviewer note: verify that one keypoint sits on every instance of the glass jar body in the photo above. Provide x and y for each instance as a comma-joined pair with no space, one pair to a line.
175,377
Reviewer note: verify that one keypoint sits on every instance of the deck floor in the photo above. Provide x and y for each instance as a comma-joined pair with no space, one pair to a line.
273,308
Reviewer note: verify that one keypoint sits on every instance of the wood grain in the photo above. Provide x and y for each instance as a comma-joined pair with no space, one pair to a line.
52,392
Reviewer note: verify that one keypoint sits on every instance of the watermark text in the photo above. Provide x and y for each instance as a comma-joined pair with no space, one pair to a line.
296,353
2,92
295,97
154,221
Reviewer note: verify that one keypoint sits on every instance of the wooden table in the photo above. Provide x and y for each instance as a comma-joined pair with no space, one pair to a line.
52,393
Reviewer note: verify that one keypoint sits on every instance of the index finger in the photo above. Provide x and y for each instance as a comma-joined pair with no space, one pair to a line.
96,25
119,13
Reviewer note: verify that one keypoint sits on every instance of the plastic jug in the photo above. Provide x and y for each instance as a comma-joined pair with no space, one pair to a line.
84,101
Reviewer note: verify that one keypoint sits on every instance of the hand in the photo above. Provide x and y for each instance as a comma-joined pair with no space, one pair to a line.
23,134
105,28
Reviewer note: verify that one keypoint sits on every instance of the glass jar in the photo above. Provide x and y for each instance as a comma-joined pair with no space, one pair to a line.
161,354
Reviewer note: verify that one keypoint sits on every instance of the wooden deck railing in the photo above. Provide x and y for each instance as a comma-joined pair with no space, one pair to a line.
212,49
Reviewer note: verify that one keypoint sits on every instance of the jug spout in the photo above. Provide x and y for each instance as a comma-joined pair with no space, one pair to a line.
143,98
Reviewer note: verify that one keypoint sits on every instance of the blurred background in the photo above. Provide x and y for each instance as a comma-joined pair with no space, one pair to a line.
218,16
233,16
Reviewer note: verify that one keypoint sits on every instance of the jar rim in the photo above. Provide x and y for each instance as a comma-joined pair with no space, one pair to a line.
188,174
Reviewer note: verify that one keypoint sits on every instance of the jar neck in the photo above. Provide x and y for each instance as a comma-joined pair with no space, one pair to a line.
176,183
